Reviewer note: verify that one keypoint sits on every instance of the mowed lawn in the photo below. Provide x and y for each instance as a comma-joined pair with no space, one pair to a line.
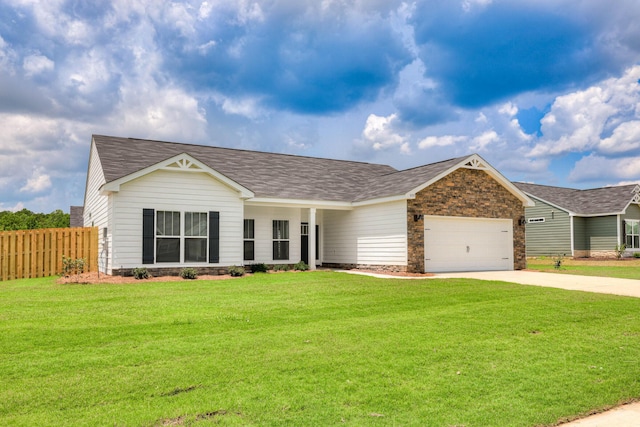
623,269
312,349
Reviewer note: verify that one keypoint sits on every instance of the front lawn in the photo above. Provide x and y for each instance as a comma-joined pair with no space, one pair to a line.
623,269
312,349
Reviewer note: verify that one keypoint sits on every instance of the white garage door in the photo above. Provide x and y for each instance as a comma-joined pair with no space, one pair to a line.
467,244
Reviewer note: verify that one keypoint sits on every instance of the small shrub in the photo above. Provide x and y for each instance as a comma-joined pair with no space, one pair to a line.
140,273
236,271
301,266
620,250
281,267
636,254
259,268
557,262
72,267
189,273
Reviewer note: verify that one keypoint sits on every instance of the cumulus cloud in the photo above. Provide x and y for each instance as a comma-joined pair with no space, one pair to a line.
481,142
593,168
379,134
580,120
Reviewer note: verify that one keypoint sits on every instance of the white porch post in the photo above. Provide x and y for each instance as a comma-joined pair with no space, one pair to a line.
312,239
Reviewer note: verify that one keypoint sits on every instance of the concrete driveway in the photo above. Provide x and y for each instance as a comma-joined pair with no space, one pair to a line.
603,285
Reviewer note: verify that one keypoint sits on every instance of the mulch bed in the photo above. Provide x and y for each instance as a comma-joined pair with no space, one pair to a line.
95,278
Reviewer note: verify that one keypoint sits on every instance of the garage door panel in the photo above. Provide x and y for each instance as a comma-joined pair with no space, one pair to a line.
468,244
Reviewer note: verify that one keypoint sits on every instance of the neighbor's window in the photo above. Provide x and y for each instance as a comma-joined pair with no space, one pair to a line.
249,243
195,237
280,239
167,236
632,233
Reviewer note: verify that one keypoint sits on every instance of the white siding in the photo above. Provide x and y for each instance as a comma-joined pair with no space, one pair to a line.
375,234
264,217
96,207
174,191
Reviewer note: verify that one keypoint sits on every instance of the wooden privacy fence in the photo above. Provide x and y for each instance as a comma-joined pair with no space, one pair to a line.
38,253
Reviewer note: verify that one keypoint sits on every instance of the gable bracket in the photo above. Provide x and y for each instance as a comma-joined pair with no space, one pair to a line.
475,163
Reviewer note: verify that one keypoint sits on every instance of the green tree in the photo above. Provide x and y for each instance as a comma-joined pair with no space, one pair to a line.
27,220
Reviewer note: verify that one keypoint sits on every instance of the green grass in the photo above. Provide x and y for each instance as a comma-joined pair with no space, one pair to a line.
629,269
312,349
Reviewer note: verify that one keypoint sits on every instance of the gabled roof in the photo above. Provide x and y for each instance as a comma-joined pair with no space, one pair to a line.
592,202
267,175
279,176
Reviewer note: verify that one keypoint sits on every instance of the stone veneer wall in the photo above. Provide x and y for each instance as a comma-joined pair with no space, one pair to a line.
464,193
371,267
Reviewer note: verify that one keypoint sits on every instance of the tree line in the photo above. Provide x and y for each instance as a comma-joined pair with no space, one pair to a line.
27,220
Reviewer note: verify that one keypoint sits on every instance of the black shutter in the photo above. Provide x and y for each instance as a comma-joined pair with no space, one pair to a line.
214,237
148,229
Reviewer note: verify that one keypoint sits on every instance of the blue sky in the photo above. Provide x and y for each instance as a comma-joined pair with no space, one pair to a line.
546,90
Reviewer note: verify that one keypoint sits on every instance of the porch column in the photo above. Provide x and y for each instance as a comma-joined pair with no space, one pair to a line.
312,238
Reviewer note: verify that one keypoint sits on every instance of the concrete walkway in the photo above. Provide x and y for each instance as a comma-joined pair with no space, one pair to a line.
622,416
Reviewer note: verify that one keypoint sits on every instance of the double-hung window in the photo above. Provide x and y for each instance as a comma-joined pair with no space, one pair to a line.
632,233
280,239
195,237
172,240
167,236
249,242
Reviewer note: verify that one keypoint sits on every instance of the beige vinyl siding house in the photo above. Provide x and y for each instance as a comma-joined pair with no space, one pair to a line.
166,206
581,223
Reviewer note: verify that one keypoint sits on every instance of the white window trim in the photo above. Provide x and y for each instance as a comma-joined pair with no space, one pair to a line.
631,221
182,238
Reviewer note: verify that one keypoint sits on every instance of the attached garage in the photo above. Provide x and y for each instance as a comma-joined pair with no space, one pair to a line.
467,244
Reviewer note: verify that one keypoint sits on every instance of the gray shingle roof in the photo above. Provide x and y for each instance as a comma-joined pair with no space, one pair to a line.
401,182
265,174
270,174
597,201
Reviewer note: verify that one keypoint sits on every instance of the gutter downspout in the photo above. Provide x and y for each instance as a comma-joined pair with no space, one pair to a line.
572,235
619,229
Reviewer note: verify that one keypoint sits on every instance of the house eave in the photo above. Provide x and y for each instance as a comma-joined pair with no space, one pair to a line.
298,203
387,199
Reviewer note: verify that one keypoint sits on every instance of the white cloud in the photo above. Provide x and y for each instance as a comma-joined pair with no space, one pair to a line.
159,112
625,138
15,208
37,64
37,183
508,109
379,134
598,168
577,121
480,142
441,141
246,107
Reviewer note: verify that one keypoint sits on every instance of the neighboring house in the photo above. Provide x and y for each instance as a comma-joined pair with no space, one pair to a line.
166,206
582,223
76,216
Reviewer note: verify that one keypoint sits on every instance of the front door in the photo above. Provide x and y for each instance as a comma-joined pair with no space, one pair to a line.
304,242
